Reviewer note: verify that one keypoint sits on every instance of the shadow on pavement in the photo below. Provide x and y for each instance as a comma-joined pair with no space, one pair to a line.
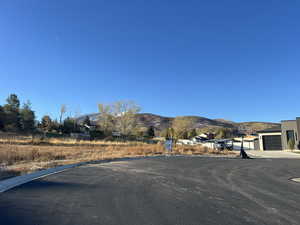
44,184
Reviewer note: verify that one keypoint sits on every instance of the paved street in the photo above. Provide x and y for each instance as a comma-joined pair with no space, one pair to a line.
162,191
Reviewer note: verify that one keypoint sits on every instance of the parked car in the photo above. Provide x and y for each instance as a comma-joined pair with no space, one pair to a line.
229,145
223,144
219,145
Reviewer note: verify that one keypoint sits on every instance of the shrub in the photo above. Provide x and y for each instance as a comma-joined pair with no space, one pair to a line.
97,134
291,144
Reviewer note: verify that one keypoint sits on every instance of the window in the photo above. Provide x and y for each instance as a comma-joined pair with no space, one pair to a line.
290,135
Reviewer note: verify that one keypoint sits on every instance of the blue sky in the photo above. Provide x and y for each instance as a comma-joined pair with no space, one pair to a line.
231,59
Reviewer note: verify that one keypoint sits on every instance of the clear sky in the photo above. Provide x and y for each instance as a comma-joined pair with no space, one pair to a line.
232,59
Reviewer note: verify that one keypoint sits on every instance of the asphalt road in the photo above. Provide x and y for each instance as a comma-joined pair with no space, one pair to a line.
162,191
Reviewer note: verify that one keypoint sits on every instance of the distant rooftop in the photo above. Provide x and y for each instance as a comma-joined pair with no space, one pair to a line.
297,118
270,130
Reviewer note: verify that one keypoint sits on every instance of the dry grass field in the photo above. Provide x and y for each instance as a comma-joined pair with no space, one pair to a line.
23,155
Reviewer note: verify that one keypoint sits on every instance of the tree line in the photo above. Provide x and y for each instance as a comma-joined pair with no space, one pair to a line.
117,119
16,118
113,119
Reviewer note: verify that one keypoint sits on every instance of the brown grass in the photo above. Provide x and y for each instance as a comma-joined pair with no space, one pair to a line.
23,158
25,140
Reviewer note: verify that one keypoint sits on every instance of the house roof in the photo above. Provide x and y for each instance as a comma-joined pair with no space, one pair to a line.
271,130
246,138
288,121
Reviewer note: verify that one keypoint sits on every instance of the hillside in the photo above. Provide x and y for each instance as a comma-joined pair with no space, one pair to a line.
202,123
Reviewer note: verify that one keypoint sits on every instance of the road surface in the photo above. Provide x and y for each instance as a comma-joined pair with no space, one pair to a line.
162,191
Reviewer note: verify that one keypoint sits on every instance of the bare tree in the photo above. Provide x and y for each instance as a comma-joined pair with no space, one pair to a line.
125,114
118,116
106,118
77,112
63,110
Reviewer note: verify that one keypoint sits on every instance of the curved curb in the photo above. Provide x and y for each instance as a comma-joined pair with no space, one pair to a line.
295,179
19,180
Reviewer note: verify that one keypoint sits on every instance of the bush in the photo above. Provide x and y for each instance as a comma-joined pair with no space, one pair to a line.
97,134
291,144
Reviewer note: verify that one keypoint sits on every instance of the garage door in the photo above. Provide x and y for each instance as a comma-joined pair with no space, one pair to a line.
272,142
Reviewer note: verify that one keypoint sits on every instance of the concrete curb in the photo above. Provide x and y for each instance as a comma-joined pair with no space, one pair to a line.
19,180
296,180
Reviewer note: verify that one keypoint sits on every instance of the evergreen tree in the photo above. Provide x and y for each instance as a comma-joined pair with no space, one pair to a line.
2,118
69,126
150,132
13,102
56,126
27,117
12,114
87,121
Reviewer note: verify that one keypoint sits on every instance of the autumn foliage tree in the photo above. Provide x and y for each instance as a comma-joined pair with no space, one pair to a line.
182,125
46,123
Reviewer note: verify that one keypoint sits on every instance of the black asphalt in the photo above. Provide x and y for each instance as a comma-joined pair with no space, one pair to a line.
163,191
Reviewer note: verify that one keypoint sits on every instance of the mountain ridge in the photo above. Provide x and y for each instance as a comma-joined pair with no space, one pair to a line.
203,123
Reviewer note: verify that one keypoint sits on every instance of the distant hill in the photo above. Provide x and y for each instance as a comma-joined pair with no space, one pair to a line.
225,121
202,123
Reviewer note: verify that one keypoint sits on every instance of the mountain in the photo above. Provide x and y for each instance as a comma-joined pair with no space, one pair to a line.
202,123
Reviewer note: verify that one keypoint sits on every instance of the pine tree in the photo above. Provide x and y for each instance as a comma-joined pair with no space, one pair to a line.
2,118
56,126
150,132
69,126
27,118
13,102
12,114
87,121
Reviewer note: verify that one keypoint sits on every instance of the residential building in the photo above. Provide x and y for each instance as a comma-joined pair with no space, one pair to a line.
290,133
270,139
281,137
